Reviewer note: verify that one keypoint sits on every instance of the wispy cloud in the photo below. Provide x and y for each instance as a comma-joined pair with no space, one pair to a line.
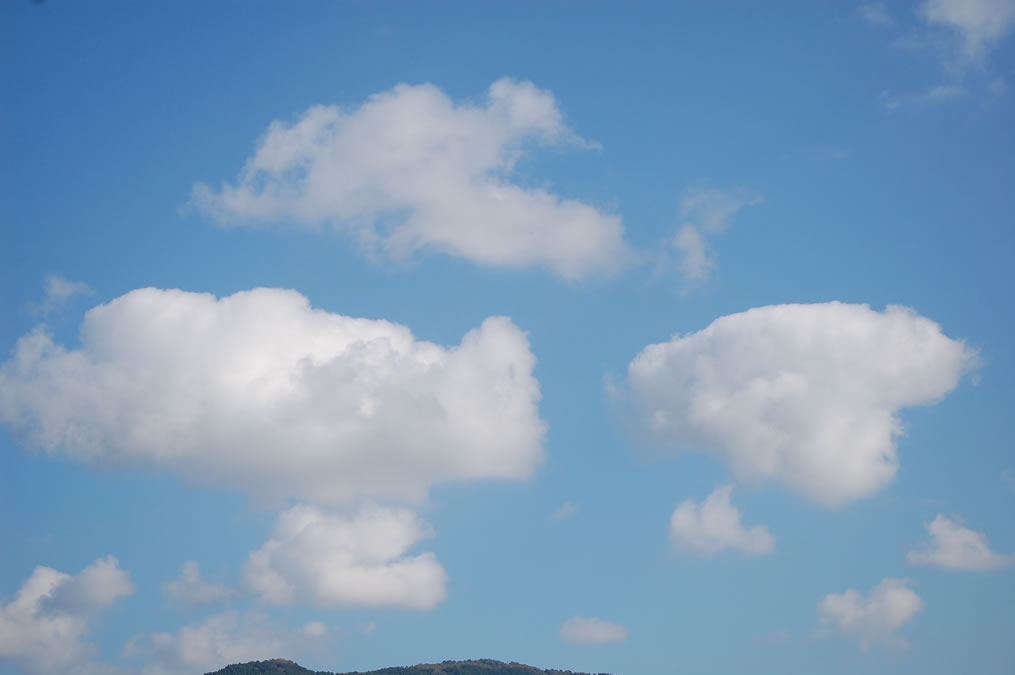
566,511
936,94
582,630
976,26
705,213
876,13
57,291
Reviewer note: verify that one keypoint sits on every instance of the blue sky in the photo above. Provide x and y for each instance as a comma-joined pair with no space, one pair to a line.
633,339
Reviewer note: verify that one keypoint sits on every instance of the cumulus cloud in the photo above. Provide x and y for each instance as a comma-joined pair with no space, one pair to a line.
955,547
977,25
43,628
411,169
260,391
714,526
581,630
874,618
347,561
214,643
706,213
190,589
805,394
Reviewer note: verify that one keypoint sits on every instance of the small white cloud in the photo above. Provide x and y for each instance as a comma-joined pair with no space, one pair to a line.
57,291
714,526
581,630
706,213
566,511
977,25
711,210
315,629
805,394
43,628
874,618
215,642
775,637
189,589
260,391
411,169
876,13
937,94
368,628
339,561
957,548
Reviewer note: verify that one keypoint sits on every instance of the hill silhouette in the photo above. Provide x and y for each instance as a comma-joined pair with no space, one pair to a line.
475,667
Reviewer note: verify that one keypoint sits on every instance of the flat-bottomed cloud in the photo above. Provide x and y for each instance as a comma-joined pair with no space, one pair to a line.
260,391
805,394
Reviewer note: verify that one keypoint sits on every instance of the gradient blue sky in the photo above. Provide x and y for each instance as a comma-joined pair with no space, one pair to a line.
607,176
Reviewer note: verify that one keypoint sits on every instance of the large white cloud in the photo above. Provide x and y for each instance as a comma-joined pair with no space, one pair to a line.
955,547
331,560
581,630
411,169
215,642
43,628
805,394
874,618
714,525
261,391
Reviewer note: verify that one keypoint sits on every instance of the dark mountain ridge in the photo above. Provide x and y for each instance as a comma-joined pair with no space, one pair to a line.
475,667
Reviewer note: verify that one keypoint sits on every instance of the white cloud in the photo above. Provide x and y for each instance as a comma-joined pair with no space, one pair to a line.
315,629
698,258
260,391
711,210
340,561
714,526
56,291
42,629
189,589
411,169
704,213
805,394
581,630
978,25
876,13
566,511
874,618
958,548
937,94
214,643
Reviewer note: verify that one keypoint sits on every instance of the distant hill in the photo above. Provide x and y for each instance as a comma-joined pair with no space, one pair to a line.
479,667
